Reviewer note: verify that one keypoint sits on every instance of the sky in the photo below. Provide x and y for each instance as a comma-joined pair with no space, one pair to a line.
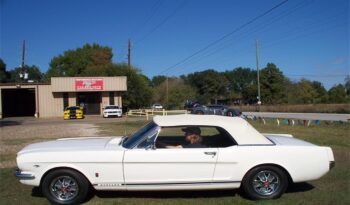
304,38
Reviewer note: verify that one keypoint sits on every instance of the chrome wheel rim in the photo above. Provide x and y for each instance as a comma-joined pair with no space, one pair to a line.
64,188
266,183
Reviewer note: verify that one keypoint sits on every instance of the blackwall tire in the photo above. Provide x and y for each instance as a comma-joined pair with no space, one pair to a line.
65,187
265,182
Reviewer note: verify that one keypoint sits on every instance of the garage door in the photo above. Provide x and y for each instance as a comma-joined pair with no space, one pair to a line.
18,102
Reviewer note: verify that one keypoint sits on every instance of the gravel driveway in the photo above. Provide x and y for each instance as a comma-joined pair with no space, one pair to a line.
19,132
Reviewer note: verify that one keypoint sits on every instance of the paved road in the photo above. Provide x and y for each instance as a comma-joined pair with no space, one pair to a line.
302,116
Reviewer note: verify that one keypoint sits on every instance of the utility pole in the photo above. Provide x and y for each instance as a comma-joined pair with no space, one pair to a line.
23,52
23,75
167,92
129,54
257,69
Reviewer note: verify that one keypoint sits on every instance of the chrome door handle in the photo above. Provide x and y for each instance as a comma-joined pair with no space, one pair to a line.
210,153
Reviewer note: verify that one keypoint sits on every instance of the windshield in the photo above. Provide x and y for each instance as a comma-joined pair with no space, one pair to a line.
131,141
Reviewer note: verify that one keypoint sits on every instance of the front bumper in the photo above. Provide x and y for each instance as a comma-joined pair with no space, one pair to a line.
118,114
23,175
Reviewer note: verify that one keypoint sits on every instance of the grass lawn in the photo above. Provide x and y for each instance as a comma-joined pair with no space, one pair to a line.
334,188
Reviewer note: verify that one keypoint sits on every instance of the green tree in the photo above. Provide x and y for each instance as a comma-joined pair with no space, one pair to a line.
347,85
157,80
238,79
139,93
272,86
291,90
337,94
321,96
250,93
178,92
306,92
90,60
210,85
3,73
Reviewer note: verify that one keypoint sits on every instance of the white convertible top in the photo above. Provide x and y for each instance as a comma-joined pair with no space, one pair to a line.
240,129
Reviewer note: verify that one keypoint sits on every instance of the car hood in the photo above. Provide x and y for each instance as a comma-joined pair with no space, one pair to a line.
70,144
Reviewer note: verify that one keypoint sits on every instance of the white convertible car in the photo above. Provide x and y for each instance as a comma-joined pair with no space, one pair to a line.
226,153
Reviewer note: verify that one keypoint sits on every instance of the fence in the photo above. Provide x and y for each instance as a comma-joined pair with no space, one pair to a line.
150,112
292,121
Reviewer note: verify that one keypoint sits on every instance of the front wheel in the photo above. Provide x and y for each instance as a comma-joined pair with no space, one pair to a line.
265,182
65,187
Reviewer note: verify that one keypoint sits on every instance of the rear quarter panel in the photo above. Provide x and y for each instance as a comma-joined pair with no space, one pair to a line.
303,163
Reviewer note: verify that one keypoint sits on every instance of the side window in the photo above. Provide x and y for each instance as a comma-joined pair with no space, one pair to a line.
170,136
213,137
221,139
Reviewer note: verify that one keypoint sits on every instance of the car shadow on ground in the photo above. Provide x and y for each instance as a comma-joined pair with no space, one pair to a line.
299,187
4,123
293,188
166,194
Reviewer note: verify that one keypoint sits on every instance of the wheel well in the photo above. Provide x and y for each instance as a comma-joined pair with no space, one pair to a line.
290,180
63,168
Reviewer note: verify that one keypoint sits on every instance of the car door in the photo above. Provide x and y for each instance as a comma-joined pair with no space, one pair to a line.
145,166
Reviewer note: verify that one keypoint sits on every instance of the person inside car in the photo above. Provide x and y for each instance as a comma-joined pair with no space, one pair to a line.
192,136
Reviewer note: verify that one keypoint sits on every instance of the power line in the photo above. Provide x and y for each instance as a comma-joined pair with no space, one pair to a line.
154,9
225,36
251,32
319,76
263,27
180,6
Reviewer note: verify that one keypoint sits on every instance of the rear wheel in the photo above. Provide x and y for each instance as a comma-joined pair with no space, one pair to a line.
265,182
65,186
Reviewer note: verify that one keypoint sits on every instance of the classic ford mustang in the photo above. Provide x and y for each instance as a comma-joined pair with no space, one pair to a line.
179,152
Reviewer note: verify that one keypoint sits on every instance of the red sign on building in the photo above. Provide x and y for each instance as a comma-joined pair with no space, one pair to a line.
88,84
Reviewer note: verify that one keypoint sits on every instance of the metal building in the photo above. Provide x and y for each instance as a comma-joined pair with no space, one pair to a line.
49,100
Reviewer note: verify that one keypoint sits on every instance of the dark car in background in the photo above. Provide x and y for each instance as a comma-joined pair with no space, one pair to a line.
189,105
216,110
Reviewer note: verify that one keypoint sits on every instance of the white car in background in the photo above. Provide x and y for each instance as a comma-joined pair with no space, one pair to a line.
112,111
232,155
157,107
